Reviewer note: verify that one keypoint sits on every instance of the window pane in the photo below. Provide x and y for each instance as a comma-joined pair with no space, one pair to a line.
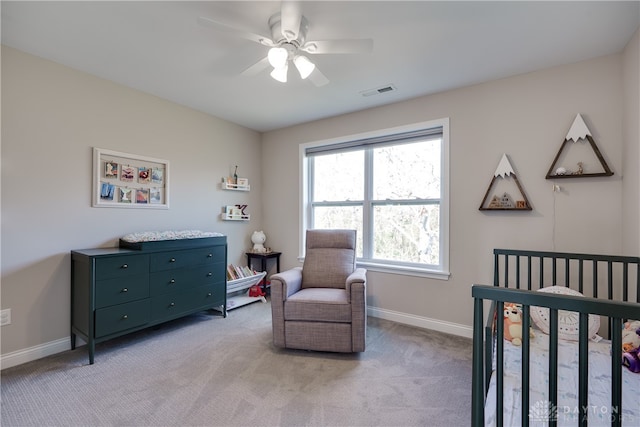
407,171
407,233
338,177
345,217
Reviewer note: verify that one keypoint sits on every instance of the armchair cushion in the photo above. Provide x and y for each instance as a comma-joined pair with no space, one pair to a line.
329,259
318,305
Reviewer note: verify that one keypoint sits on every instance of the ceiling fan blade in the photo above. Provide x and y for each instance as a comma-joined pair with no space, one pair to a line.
317,78
290,16
263,40
256,68
338,46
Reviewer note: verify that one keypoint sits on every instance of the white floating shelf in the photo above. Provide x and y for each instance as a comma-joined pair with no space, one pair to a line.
227,217
235,187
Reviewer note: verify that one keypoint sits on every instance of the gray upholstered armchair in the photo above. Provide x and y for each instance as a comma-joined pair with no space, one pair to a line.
322,306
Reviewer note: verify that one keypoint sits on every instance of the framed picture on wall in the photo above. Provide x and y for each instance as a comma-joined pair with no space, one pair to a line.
132,181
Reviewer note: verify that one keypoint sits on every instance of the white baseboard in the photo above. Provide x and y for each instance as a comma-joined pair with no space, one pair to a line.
19,357
422,322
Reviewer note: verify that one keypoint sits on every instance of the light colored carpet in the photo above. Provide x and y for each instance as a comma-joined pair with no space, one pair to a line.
205,370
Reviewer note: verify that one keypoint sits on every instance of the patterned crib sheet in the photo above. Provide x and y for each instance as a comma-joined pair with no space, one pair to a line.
568,413
154,236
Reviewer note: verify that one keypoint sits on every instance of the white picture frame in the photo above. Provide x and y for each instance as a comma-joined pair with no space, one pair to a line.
112,172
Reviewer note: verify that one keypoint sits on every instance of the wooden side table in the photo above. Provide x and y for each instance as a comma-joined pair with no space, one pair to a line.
263,257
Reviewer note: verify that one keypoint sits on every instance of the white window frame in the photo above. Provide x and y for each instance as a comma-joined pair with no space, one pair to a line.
393,268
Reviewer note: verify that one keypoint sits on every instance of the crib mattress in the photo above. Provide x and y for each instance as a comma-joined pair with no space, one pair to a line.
568,413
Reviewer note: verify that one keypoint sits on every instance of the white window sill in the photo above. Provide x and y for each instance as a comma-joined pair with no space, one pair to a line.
405,270
401,270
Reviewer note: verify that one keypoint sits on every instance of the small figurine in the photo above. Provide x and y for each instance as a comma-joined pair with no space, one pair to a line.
580,170
258,238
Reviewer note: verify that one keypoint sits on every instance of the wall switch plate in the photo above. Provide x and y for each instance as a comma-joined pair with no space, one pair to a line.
5,317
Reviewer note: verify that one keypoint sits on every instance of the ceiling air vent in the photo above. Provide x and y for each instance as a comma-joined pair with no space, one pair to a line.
378,91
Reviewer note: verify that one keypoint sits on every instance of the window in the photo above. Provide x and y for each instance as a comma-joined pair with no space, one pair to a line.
392,187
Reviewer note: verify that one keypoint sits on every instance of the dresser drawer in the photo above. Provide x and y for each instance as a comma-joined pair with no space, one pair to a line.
121,266
187,258
162,282
210,295
122,317
121,290
174,305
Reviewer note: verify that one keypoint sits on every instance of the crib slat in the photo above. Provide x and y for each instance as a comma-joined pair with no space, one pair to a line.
506,271
529,272
638,283
553,366
625,281
616,372
477,390
526,357
554,270
517,271
583,368
499,363
595,279
581,276
610,279
566,272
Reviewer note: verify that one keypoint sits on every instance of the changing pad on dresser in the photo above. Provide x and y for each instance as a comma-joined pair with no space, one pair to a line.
171,239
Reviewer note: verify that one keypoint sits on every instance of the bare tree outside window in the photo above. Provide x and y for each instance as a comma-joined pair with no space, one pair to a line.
390,193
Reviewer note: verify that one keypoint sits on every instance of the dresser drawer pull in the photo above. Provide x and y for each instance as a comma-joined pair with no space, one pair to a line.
209,294
125,266
125,290
173,304
125,317
172,281
209,274
210,256
172,260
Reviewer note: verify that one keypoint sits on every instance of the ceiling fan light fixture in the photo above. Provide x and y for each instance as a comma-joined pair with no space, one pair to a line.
280,74
278,57
311,47
304,65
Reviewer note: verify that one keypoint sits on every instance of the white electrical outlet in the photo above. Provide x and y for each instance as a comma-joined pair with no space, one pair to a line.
5,317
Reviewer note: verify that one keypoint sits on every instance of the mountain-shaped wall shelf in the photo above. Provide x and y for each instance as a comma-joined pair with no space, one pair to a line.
578,132
504,203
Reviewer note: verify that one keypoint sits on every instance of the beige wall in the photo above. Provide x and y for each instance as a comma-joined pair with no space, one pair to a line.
631,128
52,116
527,117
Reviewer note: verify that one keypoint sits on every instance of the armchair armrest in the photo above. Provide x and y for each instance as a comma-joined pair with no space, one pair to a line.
358,275
356,282
289,282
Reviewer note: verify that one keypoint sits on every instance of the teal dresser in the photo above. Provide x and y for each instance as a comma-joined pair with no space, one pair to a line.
116,291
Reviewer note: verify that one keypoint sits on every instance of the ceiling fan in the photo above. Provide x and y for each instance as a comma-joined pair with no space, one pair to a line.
288,44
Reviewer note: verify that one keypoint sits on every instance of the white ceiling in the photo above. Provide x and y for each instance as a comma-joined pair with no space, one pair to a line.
420,47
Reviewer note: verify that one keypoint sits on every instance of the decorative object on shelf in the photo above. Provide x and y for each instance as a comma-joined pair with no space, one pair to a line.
258,238
235,176
579,132
505,202
122,180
